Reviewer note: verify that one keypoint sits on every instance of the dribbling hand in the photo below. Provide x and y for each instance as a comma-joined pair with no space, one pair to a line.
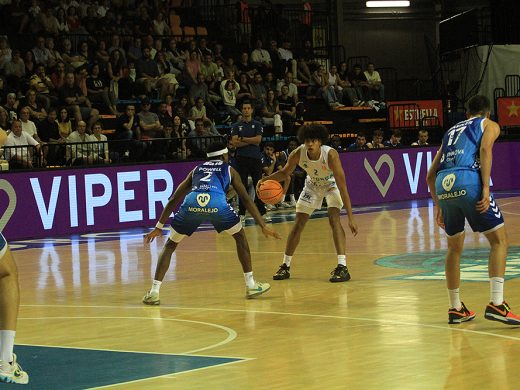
148,238
268,232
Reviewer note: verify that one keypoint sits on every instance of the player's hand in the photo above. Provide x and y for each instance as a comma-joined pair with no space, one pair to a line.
353,227
268,232
260,181
438,217
483,204
148,238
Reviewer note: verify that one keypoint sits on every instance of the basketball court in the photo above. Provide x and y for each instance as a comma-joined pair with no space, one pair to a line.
82,323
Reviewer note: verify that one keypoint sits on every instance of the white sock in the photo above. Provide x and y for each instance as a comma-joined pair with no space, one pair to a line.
497,290
6,345
250,281
156,286
342,259
454,299
287,260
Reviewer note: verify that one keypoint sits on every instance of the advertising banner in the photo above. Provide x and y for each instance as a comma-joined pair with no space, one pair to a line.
411,113
76,201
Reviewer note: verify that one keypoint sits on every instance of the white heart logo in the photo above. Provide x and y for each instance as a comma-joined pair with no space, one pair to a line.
448,182
203,199
9,211
384,159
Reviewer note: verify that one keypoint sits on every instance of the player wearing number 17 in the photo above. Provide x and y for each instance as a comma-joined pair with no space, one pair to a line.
325,179
204,193
459,179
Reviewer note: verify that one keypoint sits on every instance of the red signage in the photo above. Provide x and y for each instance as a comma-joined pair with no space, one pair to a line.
508,111
415,113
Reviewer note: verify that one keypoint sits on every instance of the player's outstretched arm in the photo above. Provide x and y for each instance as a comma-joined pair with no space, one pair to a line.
341,182
430,179
236,182
491,133
284,173
180,193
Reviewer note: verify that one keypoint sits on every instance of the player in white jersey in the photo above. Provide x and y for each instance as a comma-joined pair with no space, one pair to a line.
325,179
10,370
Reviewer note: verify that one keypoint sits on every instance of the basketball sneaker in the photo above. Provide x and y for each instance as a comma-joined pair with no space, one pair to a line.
501,313
13,373
282,273
258,289
151,298
340,274
457,316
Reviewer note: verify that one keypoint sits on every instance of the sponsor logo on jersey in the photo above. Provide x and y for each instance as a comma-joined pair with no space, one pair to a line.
473,264
448,182
212,210
203,199
451,195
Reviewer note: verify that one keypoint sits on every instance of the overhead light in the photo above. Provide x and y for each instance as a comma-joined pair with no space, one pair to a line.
387,4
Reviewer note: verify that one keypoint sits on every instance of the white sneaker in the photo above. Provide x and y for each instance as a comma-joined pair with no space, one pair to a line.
258,289
291,203
151,298
270,207
267,219
285,205
13,373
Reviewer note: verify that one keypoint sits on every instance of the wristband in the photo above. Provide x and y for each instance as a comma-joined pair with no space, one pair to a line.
159,225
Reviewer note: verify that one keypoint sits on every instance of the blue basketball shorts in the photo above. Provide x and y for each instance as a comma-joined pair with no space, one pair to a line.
458,192
199,207
3,245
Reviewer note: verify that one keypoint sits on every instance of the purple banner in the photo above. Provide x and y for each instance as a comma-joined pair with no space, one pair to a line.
400,174
76,201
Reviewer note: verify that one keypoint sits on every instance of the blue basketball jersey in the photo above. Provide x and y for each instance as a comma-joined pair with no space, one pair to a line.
461,145
213,176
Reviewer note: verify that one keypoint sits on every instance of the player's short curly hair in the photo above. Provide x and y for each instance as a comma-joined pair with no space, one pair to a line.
478,104
312,132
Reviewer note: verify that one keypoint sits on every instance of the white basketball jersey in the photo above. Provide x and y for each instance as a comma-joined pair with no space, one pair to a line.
318,172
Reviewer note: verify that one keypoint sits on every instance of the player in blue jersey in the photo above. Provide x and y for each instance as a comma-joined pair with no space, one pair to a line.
204,193
10,370
459,179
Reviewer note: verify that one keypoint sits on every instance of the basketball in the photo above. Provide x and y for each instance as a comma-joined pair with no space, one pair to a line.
3,137
270,192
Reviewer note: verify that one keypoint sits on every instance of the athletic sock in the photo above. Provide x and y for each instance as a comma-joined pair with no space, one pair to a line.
497,290
342,259
156,286
250,281
287,260
454,298
6,345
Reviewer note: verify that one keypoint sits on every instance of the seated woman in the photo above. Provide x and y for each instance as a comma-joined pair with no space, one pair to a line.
271,114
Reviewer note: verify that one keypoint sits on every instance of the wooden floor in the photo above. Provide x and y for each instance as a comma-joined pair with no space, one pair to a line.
386,328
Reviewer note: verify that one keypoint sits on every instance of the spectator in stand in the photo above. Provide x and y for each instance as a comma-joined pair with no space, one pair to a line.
245,91
230,67
37,112
208,68
149,121
164,116
40,53
49,22
350,95
320,82
101,55
246,136
5,124
184,107
11,106
3,90
5,52
80,152
270,82
49,132
307,63
203,48
287,109
159,25
259,91
343,71
395,140
375,85
269,165
176,56
61,17
229,97
167,82
29,63
98,90
360,144
64,123
147,72
377,140
101,153
192,68
279,65
260,58
20,157
271,114
359,82
43,85
135,51
287,55
115,44
297,177
54,55
244,66
14,71
335,142
72,97
58,76
200,139
293,89
126,89
28,126
423,138
199,111
70,58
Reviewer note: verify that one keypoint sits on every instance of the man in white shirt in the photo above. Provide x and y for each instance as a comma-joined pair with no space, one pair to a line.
20,157
423,138
28,125
287,55
375,84
260,57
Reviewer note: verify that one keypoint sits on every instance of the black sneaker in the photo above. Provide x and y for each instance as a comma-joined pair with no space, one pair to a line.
282,273
340,274
457,316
